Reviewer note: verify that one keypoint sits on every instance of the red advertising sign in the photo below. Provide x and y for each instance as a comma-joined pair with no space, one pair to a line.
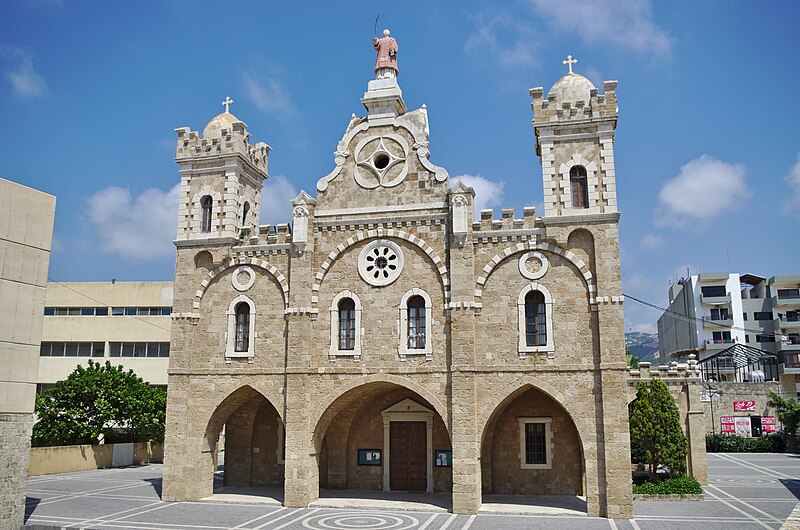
727,424
744,406
767,424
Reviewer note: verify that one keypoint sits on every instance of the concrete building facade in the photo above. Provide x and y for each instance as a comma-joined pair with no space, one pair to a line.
126,323
710,312
26,232
384,340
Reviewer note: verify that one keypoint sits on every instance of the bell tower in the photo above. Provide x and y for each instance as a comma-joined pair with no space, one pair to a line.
574,129
222,174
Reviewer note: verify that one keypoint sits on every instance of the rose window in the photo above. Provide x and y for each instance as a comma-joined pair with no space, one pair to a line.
380,263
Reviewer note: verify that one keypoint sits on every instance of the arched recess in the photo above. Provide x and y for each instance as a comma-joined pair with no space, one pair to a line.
390,233
391,417
235,262
581,243
583,268
530,445
253,439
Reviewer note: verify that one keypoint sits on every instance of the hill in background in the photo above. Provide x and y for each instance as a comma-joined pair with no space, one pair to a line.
644,346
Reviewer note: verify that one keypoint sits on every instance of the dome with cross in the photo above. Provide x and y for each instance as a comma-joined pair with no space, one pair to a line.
572,87
224,120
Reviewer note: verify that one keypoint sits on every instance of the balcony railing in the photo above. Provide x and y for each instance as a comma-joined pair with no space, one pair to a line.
790,359
718,344
715,300
724,321
787,321
785,300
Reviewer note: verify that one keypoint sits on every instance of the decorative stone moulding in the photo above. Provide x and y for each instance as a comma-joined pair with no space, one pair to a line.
380,262
243,278
376,159
533,265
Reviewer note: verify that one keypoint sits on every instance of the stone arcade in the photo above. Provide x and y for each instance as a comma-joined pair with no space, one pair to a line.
385,341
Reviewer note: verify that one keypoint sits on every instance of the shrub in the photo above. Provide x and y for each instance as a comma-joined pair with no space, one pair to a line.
728,443
682,485
655,426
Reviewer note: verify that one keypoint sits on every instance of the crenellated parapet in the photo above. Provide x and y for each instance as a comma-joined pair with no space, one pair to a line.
225,138
674,373
581,103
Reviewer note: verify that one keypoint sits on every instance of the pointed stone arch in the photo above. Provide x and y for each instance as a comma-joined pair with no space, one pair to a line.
583,268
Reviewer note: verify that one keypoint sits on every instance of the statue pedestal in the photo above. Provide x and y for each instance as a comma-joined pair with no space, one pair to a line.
383,101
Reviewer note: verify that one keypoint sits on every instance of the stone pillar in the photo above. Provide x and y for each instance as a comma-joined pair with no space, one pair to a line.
465,439
301,483
697,460
614,455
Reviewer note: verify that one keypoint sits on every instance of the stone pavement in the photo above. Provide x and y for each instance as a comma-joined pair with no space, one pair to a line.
745,491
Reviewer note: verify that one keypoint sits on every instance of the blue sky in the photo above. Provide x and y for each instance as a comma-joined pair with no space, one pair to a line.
707,146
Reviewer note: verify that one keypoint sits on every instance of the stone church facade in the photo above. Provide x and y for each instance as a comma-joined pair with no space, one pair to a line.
384,340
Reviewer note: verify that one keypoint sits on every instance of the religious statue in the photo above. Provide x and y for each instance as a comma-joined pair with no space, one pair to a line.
386,62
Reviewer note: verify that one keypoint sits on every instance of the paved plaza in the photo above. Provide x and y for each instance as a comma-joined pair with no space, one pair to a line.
745,491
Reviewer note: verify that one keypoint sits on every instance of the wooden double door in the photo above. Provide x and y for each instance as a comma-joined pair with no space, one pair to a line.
408,455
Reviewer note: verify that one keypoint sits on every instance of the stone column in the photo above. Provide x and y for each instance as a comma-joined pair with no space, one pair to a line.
301,483
614,455
466,444
697,460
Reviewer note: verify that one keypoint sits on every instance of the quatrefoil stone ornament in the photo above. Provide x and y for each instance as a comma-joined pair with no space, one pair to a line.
380,263
381,161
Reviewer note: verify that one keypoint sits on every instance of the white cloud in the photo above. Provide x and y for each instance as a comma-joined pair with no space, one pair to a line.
138,227
626,23
793,180
276,207
652,241
644,328
488,193
704,189
507,40
267,94
25,81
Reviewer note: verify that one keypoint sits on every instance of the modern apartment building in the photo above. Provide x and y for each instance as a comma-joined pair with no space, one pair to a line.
710,312
127,323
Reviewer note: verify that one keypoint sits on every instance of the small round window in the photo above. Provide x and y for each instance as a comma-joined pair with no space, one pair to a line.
380,262
381,160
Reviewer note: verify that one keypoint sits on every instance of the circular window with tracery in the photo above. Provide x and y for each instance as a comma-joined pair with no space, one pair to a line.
380,263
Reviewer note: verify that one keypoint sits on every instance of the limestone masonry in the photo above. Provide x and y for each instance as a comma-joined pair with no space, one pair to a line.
384,340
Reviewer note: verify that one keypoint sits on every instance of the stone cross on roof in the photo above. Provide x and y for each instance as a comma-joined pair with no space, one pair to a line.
569,62
228,101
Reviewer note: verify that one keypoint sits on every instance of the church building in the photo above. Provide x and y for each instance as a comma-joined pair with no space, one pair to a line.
383,340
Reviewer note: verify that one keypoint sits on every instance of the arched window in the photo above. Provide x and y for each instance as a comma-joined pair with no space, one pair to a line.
346,328
206,205
240,338
416,323
245,211
535,319
242,327
347,324
578,184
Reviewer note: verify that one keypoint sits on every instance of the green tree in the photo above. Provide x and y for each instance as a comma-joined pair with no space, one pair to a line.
631,360
788,411
99,400
656,435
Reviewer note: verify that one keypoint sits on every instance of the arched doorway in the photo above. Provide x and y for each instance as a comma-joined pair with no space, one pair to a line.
248,432
383,437
531,448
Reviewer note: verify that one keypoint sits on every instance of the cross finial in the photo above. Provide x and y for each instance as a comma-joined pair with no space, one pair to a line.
228,101
569,62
